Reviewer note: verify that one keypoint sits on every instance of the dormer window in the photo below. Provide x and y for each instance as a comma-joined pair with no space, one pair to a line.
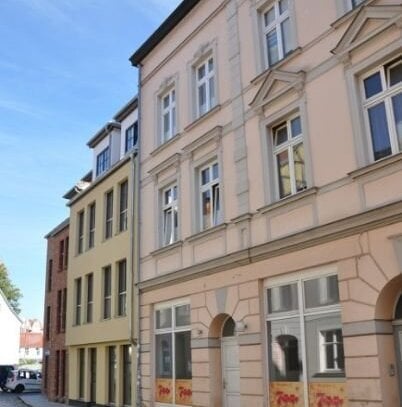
103,161
131,137
355,3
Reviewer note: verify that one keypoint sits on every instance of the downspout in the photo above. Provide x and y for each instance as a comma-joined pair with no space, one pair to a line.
137,240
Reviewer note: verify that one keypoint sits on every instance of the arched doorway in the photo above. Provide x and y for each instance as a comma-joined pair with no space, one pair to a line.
397,326
230,365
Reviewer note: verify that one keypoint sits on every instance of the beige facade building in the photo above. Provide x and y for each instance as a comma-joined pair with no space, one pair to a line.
99,334
271,206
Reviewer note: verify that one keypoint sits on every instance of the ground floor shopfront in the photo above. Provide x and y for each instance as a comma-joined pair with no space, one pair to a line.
101,374
318,323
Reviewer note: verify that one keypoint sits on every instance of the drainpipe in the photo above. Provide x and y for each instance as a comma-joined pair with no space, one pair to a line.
137,240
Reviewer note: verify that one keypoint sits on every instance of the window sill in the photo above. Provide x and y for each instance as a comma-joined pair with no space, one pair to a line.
202,118
165,145
348,14
328,375
288,200
376,166
283,61
206,232
167,248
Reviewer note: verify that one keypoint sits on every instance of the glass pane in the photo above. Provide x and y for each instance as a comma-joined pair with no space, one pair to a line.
164,318
372,85
211,65
272,47
283,6
283,298
269,17
205,176
173,95
379,131
217,205
167,226
183,315
285,359
175,192
324,350
397,107
173,121
321,291
295,125
298,158
166,101
176,225
163,351
281,135
286,36
395,74
202,99
215,171
283,174
166,124
168,196
201,71
206,209
211,92
183,355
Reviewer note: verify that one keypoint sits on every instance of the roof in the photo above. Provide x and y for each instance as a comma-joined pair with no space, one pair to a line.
130,106
70,194
58,228
163,30
31,339
102,133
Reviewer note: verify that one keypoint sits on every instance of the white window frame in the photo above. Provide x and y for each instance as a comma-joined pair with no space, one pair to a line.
171,330
121,295
91,227
78,301
322,351
208,78
80,231
276,25
216,216
89,309
123,210
287,146
169,210
103,161
170,112
385,96
131,137
109,220
107,297
300,313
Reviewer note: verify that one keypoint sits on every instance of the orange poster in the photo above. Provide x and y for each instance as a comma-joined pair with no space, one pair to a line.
286,394
164,391
327,395
184,392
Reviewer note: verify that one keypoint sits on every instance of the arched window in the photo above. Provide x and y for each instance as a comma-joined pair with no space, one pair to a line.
398,309
229,328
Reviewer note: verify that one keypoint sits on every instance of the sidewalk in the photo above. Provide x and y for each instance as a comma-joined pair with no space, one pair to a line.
38,400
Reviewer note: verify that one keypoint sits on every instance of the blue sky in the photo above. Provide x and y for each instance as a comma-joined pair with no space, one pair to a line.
64,72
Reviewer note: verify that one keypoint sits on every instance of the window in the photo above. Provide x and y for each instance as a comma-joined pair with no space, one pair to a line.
126,375
80,247
49,275
48,322
90,297
122,288
61,255
102,161
91,226
168,115
276,31
78,301
173,354
210,200
81,372
112,366
66,252
382,104
305,339
59,310
107,292
355,3
205,86
169,215
64,310
123,206
288,151
131,137
109,215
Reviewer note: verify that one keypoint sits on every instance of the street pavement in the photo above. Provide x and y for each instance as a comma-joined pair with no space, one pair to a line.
25,399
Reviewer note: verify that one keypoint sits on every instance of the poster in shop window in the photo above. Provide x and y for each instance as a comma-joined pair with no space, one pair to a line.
327,395
164,391
286,394
184,392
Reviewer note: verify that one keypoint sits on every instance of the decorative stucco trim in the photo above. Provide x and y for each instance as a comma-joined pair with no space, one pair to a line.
205,116
145,348
249,339
172,161
242,218
377,166
346,227
205,343
167,248
207,232
362,328
213,135
165,145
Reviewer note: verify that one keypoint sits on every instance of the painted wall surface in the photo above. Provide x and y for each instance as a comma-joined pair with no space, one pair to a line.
347,218
10,338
